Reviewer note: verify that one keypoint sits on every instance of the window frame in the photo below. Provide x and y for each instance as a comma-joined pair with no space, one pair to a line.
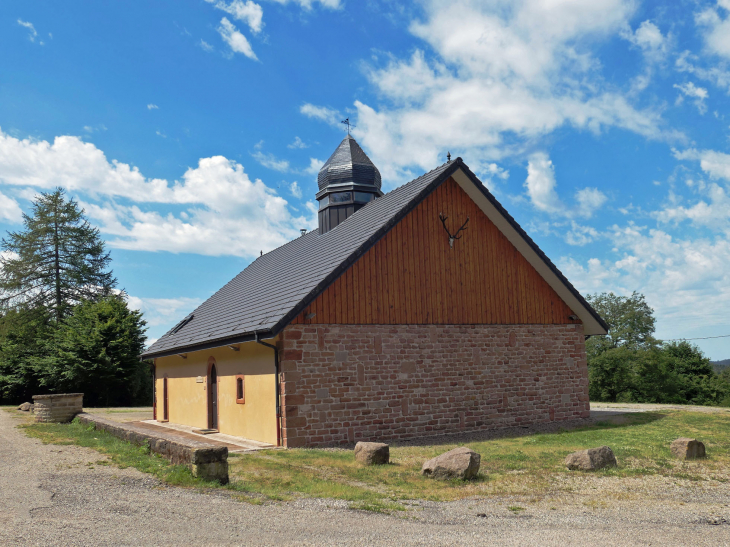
242,399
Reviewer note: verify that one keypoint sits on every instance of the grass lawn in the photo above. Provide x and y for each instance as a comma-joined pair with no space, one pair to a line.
121,453
529,466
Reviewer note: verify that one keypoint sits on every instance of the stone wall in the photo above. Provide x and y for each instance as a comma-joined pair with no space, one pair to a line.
204,460
60,407
347,383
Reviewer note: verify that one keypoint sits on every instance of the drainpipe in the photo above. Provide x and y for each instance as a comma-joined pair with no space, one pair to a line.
276,382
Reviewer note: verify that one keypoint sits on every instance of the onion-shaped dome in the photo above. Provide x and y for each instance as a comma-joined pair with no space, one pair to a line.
348,164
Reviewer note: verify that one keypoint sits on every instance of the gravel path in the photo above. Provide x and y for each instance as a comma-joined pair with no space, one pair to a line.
61,495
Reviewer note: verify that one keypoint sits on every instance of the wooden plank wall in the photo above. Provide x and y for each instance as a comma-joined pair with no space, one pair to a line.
411,276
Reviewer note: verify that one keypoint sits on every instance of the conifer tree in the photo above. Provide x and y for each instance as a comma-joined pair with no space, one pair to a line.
57,261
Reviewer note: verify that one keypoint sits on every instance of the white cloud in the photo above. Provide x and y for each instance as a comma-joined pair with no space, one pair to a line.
236,41
295,190
314,166
321,113
542,190
94,128
513,69
718,75
649,39
712,212
215,209
205,45
716,25
488,172
580,235
698,94
540,184
247,12
270,161
32,33
9,209
307,4
715,164
298,143
160,311
152,107
589,200
686,281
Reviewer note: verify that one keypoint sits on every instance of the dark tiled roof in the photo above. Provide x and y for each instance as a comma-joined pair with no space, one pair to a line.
277,286
348,163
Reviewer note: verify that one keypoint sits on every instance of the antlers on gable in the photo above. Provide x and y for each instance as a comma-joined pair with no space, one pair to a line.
456,235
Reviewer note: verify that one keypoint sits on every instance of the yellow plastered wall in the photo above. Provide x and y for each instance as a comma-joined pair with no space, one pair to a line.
188,401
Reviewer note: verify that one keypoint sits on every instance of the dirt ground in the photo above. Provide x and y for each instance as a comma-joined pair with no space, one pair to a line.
67,495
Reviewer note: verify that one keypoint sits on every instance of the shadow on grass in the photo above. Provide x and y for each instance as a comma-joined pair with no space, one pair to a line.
614,421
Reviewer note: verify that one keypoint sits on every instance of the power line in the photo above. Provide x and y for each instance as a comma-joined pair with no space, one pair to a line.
703,338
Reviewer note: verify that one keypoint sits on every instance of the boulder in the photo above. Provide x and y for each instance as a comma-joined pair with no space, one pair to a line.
459,463
26,407
591,459
687,449
372,453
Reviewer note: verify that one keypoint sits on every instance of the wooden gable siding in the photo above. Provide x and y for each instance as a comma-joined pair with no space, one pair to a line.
411,276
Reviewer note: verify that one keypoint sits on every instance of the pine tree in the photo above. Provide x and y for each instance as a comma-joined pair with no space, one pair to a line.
57,261
96,351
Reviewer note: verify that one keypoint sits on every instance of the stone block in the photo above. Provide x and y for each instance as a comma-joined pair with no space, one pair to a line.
459,463
688,449
372,453
204,460
591,459
213,471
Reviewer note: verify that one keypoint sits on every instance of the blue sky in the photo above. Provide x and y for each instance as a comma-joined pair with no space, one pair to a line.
191,132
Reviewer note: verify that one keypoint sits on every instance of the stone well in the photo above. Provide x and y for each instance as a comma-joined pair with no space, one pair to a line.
59,407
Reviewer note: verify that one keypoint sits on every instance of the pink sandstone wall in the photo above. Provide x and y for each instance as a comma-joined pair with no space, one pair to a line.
346,383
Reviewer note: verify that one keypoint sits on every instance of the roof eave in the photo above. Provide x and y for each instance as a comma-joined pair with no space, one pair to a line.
221,342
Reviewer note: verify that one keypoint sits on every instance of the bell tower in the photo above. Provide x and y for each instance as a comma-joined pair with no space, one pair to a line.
347,182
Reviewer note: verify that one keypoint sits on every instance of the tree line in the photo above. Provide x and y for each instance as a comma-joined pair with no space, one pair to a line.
64,325
631,365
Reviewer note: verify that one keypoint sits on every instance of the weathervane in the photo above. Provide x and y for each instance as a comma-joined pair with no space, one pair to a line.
346,121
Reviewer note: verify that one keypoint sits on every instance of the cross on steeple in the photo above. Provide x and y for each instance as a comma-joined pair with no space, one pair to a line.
346,121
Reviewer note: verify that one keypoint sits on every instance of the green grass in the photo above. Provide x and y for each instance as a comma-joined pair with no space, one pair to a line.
531,466
121,453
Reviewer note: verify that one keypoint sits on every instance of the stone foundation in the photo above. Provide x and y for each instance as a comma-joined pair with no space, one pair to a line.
347,383
58,408
204,460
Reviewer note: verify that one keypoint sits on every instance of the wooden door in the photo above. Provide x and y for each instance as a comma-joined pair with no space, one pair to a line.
213,398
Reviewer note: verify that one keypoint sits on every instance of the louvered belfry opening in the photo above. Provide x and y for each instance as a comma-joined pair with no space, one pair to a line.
347,182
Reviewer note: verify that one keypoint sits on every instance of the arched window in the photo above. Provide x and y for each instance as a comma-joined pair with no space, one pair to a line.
240,389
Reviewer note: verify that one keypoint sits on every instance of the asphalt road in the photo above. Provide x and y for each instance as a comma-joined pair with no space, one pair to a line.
60,495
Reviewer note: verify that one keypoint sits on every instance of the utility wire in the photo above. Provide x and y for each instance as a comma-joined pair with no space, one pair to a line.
703,338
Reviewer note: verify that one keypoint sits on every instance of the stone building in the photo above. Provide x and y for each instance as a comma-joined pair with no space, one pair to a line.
421,311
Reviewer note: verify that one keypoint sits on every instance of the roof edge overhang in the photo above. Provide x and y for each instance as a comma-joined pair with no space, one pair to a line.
593,324
221,342
345,186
